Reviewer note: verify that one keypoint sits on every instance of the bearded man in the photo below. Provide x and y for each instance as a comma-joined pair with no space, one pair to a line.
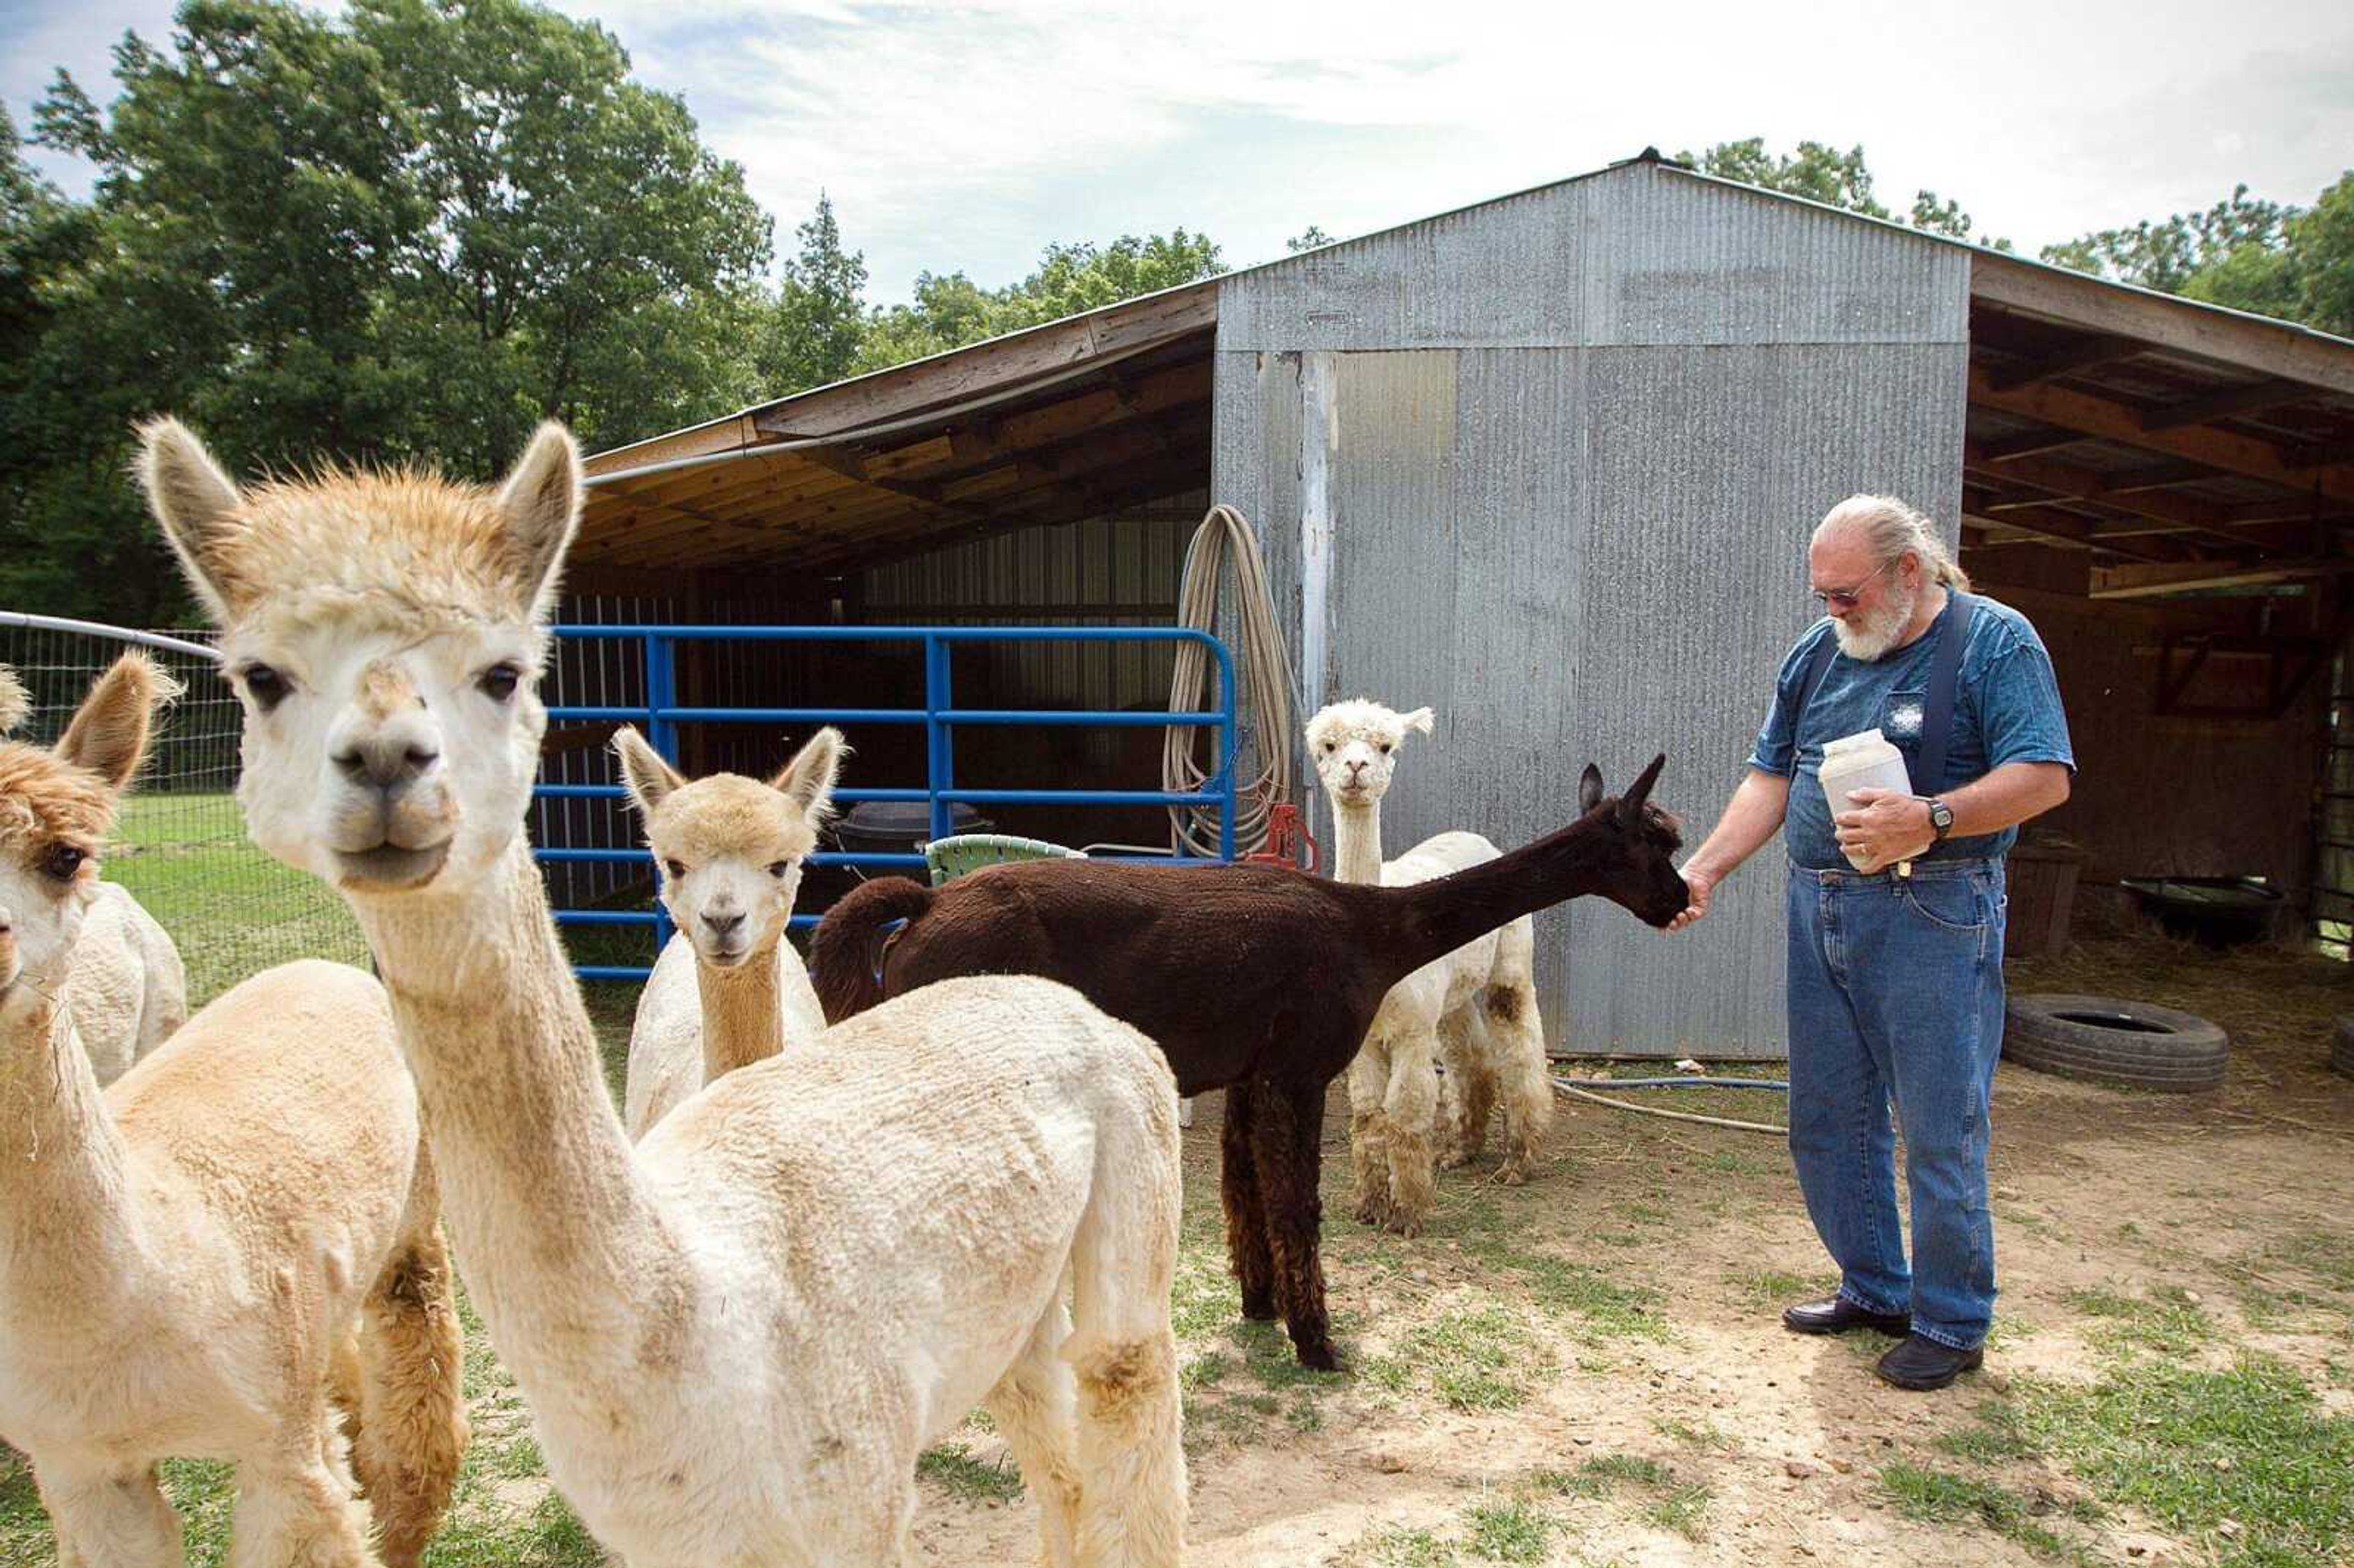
1895,971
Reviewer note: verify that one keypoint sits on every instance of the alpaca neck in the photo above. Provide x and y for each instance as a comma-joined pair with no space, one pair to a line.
1431,918
561,1243
1357,842
65,1228
743,1018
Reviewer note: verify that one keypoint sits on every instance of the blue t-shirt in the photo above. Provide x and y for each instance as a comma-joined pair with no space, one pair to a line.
2006,709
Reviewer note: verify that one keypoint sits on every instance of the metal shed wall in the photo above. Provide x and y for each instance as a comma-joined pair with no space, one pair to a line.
1549,465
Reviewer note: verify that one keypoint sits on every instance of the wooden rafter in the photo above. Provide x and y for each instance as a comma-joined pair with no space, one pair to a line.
2067,528
2062,481
2147,581
2227,337
2077,356
2113,421
2227,403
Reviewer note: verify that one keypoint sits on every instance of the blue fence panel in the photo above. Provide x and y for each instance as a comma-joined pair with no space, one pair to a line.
662,715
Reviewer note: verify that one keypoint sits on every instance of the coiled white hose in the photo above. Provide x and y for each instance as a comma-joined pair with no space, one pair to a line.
1263,670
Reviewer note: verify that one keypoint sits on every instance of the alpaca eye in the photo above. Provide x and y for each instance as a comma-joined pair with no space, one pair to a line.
499,681
779,868
672,867
265,685
1386,748
62,860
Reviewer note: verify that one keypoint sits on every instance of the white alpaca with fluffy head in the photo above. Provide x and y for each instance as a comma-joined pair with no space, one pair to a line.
729,988
734,1337
129,989
226,1250
1476,1009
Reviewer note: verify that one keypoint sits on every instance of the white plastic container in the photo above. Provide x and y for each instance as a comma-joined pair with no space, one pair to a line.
1864,761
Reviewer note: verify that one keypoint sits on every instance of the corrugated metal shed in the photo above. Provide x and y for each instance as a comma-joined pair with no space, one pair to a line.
1565,450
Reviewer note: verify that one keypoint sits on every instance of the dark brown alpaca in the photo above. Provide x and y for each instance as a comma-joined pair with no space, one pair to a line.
1258,980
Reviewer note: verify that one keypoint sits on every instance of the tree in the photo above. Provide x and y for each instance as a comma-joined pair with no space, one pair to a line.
1824,174
821,315
2250,254
1308,238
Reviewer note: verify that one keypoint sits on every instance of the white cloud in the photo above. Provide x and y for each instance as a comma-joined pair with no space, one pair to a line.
968,136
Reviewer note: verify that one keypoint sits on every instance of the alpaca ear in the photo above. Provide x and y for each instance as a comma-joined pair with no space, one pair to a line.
648,777
1589,789
808,779
196,504
541,503
15,701
1631,806
1418,721
110,730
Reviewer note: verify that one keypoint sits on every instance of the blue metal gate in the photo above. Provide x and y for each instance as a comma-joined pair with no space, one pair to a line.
661,717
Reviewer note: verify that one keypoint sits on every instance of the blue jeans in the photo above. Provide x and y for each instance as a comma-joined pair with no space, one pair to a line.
1895,992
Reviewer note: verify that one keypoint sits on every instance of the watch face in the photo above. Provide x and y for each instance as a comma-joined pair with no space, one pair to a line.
1941,816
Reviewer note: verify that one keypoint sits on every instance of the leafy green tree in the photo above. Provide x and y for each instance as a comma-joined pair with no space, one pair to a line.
821,315
1308,238
1823,173
2293,263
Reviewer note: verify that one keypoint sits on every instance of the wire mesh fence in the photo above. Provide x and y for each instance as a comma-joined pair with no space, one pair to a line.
179,845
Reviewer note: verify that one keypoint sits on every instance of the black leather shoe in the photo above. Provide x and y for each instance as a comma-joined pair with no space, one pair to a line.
1837,1315
1923,1364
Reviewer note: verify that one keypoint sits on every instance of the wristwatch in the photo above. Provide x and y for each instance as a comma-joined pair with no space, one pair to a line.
1941,819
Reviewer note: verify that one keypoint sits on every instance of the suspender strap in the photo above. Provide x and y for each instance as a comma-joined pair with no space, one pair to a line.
1945,668
1937,715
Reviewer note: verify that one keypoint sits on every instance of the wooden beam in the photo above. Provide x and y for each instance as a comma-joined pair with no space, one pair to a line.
2115,421
2067,528
2270,392
2029,443
696,440
2065,481
1001,366
2085,356
2163,321
2146,581
2156,476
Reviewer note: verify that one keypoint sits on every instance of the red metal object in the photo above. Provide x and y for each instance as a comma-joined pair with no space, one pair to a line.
1286,835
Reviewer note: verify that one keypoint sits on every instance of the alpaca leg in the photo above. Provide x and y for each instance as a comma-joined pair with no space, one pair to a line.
411,1431
1123,1347
295,1512
1525,1078
109,1515
1032,1407
1238,1191
1286,1136
1411,1107
1471,1087
1369,1130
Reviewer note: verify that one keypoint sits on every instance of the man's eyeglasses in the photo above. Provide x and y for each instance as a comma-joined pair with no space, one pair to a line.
1844,599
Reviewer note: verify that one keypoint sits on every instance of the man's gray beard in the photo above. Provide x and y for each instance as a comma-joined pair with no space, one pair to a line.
1880,629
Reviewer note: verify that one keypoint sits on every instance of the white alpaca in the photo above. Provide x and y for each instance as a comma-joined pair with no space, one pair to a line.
729,988
130,987
736,1337
1476,1009
238,1237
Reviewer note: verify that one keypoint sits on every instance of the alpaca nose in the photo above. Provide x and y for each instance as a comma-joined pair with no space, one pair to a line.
723,924
387,762
1356,765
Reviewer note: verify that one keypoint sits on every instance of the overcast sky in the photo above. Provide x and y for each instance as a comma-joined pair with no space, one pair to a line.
968,136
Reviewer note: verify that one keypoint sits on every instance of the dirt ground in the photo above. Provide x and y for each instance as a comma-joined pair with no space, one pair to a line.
1589,1369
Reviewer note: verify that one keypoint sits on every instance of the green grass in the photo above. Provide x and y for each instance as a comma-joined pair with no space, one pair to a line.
953,1467
1477,1358
1514,1532
2168,1322
2193,1449
230,909
1939,1498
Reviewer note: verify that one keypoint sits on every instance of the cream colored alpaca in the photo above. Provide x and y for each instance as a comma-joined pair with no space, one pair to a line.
1475,1010
213,1254
729,989
130,987
736,1337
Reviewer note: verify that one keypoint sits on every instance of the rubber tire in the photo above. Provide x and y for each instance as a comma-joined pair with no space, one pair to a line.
2189,1057
2341,1046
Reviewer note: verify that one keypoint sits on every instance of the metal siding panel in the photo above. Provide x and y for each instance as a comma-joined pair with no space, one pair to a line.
1635,255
